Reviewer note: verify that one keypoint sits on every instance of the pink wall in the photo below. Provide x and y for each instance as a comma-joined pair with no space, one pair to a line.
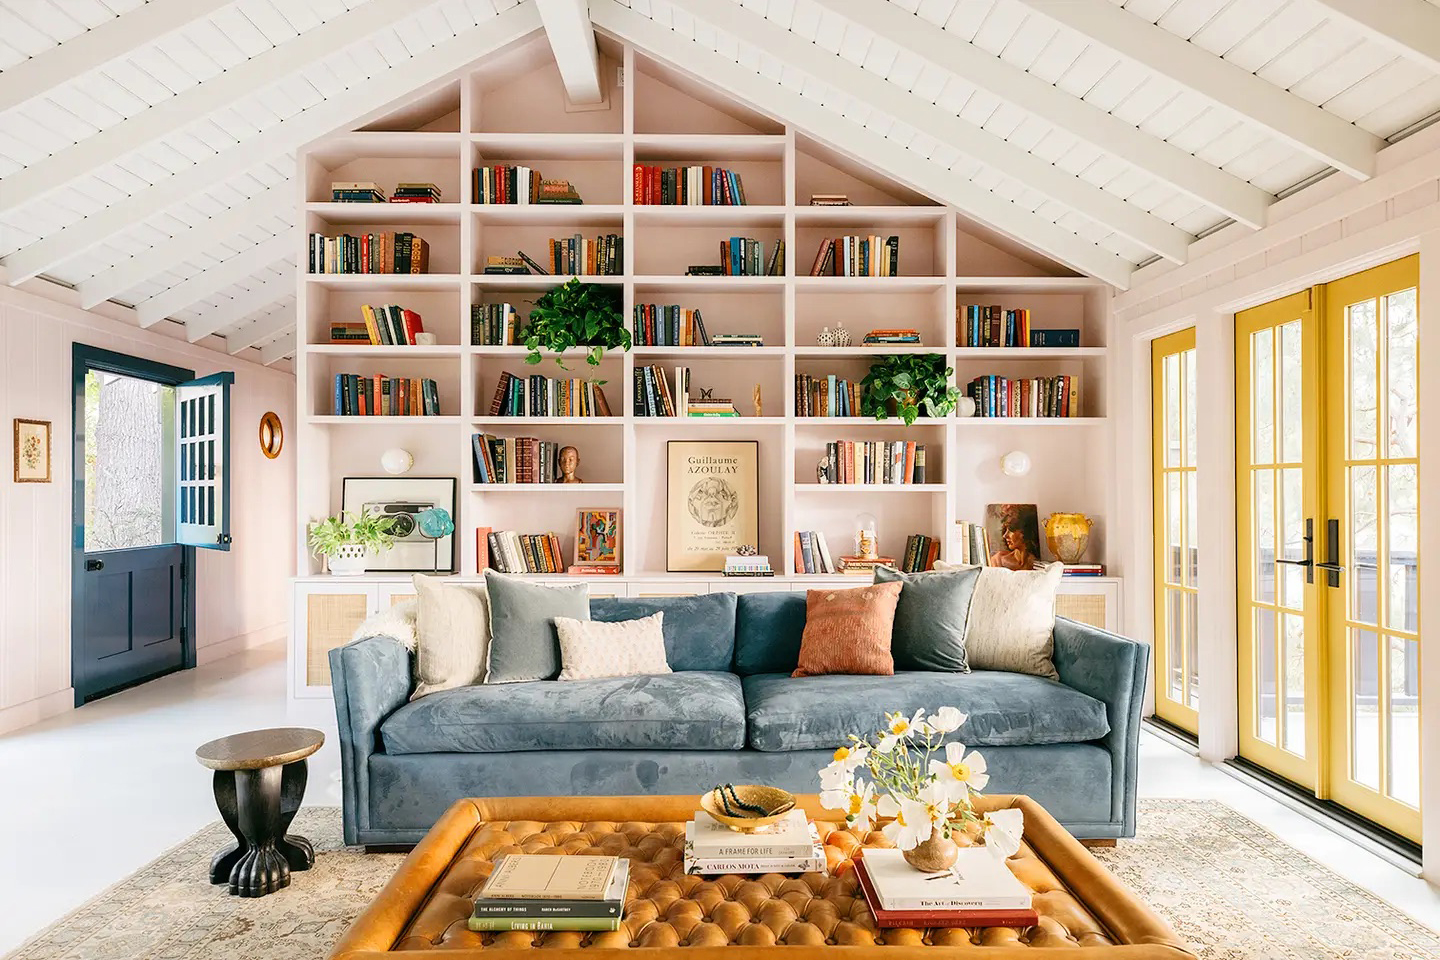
242,598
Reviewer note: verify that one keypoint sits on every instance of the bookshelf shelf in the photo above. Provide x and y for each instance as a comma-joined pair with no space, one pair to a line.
512,112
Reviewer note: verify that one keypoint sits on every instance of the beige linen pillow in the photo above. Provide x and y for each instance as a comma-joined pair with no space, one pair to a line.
452,634
591,649
1012,619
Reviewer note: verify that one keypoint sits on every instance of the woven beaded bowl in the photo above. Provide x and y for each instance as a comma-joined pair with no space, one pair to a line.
754,795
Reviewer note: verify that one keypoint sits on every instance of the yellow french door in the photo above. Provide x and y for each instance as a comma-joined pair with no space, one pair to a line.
1327,485
1172,405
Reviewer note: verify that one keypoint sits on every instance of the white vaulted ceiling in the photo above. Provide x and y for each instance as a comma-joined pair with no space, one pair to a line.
147,150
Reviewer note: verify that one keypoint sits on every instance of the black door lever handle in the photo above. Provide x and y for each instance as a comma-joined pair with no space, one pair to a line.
1308,561
93,565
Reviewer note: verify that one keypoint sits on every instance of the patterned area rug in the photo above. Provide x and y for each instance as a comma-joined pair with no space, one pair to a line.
1227,886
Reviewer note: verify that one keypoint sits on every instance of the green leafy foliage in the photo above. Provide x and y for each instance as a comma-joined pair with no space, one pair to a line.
911,382
369,530
577,314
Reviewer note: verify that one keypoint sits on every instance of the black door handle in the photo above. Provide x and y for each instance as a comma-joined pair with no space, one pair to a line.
93,565
1332,565
1308,562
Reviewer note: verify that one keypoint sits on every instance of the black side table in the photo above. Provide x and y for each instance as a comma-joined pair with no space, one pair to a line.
259,783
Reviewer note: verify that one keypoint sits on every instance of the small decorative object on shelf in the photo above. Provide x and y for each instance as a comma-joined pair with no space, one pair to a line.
927,785
568,462
396,461
1068,534
347,541
759,402
907,383
747,550
842,336
748,808
434,525
1016,463
822,469
1057,396
965,407
867,541
1014,530
825,338
691,186
577,314
597,535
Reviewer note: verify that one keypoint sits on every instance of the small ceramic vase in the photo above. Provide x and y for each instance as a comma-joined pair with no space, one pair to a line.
825,338
965,407
348,560
933,855
842,336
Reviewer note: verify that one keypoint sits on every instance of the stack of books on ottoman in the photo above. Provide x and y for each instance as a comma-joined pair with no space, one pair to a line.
979,891
538,892
790,846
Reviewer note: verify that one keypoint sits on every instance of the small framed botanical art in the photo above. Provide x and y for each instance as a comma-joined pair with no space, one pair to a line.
713,504
32,451
597,537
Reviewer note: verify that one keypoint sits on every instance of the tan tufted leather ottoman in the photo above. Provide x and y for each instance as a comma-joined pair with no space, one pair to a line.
422,912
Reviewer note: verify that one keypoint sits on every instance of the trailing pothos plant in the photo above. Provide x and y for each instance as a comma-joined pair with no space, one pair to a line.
576,314
369,530
910,382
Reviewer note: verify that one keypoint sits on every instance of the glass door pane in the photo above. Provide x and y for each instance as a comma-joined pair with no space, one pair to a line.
1177,669
127,495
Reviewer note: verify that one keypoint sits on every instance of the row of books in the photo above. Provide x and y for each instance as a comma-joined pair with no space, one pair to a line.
791,846
360,395
495,325
745,257
511,552
667,325
532,892
812,553
972,543
367,191
893,335
868,256
585,256
697,185
515,459
994,326
391,324
827,396
995,396
875,462
920,554
369,253
505,184
539,396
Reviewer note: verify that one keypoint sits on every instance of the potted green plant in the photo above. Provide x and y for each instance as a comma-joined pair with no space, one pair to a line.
577,314
907,383
347,540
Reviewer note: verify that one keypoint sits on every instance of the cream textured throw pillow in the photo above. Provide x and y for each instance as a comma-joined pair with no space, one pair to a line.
590,649
1012,619
452,634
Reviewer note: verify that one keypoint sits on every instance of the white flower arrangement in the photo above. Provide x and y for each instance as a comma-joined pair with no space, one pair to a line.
924,785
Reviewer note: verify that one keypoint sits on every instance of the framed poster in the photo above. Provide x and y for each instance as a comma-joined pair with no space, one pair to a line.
32,451
1014,531
713,502
404,499
597,537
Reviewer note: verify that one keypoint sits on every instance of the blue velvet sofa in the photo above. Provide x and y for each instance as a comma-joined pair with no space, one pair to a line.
730,712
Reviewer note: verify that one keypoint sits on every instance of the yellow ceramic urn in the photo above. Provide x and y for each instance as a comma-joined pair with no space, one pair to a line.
1068,534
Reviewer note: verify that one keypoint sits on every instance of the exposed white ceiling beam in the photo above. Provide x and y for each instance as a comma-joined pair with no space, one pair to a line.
1303,125
278,349
827,126
223,274
111,40
572,39
1107,209
1409,27
240,307
270,325
288,135
277,200
168,116
1163,161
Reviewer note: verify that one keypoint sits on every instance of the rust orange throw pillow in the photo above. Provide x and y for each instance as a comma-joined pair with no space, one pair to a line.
848,631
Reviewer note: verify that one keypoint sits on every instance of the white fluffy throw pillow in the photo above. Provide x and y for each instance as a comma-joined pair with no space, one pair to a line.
591,649
396,622
1012,620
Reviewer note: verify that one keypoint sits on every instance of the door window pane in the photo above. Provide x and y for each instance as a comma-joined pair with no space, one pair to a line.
1292,506
1174,643
1364,709
1361,336
1187,368
1172,411
1294,683
1402,549
1265,536
125,450
1173,548
1192,649
1192,526
1401,404
1404,765
1265,686
1364,540
1262,404
1292,418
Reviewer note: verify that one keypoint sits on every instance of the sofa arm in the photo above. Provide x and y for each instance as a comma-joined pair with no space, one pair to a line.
370,680
1112,669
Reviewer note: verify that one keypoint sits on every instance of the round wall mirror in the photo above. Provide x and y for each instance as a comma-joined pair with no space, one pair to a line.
272,435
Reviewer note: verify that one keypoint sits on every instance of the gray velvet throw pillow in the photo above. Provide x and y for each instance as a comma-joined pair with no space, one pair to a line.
523,642
930,618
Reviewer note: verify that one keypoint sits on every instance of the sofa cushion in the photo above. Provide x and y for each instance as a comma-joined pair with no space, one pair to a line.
699,630
802,713
768,628
692,711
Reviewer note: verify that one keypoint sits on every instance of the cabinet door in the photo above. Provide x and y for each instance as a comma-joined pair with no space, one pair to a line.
392,594
669,588
750,585
1094,603
326,616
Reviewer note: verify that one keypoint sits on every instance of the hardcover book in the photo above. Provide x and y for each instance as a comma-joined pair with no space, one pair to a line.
706,837
920,919
521,876
980,880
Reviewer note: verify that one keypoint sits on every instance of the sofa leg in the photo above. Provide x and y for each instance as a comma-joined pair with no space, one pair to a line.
1099,843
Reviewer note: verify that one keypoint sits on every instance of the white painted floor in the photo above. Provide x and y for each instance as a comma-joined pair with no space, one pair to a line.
91,796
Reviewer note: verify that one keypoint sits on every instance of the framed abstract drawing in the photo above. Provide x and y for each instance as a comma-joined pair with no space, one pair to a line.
597,537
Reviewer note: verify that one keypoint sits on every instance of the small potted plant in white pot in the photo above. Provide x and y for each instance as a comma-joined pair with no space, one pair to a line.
348,540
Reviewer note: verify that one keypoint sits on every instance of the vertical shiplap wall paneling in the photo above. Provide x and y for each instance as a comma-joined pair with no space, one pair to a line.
949,460
786,401
469,361
629,497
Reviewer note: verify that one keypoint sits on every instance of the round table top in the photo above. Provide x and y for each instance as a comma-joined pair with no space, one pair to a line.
256,749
